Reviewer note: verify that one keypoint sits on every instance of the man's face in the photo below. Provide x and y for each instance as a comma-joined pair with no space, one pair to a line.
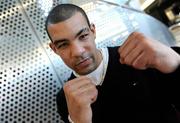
74,41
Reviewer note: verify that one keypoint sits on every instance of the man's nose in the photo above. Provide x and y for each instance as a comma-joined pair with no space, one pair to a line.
77,49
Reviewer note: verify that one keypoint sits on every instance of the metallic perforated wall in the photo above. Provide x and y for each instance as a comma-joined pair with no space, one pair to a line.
28,82
30,73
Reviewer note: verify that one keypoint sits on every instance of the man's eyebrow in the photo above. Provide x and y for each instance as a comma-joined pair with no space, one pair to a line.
60,40
81,31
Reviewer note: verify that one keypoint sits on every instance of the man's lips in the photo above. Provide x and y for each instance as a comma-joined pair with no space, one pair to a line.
84,62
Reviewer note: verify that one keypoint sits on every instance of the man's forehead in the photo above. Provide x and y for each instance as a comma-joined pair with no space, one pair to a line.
76,18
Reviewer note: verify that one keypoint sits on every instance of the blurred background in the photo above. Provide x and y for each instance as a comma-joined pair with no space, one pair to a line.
31,74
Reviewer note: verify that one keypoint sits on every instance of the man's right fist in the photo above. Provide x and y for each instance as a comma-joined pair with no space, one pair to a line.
80,93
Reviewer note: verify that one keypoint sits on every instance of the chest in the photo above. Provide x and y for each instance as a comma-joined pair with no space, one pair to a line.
129,91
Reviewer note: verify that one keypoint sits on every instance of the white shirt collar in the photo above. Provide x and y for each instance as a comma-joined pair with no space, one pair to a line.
99,73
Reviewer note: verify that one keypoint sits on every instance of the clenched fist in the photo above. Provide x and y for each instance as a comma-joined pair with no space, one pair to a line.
141,53
80,93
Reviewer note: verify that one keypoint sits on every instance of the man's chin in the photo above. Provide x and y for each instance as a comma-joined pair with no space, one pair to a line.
85,71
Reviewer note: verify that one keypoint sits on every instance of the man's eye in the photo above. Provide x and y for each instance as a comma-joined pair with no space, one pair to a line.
83,37
62,45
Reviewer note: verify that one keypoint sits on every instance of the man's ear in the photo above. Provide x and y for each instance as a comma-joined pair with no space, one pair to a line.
93,29
52,46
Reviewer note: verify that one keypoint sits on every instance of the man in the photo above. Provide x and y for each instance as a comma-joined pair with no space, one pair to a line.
139,85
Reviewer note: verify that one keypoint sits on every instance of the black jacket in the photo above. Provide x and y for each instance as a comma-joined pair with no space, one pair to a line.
129,95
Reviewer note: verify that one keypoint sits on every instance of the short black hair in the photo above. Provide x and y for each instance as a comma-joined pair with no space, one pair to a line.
63,12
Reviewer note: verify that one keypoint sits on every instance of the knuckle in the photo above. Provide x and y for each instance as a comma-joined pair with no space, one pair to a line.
96,92
136,64
133,34
127,61
92,86
74,95
122,55
136,34
66,87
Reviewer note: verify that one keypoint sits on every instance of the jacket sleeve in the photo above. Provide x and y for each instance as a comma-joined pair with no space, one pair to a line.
61,103
173,80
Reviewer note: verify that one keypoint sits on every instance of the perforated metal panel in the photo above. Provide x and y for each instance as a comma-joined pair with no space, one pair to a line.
28,82
113,24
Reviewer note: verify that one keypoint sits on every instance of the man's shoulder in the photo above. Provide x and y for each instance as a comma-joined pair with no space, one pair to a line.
176,48
62,105
60,94
113,55
115,48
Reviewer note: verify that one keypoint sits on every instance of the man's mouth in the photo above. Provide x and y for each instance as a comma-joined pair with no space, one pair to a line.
84,63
